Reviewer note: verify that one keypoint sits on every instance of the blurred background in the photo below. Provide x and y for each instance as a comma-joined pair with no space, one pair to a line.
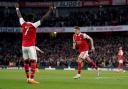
106,21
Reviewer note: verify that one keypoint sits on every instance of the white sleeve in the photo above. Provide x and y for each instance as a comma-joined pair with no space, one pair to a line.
36,24
86,36
21,21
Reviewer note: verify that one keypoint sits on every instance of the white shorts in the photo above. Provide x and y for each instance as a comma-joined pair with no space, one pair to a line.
121,61
84,55
29,52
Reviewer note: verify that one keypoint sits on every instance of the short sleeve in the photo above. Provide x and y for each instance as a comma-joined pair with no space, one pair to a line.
86,36
36,24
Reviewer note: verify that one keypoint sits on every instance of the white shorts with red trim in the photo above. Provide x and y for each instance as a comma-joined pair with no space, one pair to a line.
29,52
121,61
84,55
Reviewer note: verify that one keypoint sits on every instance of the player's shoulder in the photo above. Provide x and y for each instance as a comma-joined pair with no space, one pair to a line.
83,34
29,24
24,24
36,24
121,50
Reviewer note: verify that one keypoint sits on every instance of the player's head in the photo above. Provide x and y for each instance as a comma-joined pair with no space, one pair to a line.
77,29
120,47
30,18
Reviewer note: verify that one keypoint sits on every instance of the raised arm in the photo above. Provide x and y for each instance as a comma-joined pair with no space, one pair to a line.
47,14
18,11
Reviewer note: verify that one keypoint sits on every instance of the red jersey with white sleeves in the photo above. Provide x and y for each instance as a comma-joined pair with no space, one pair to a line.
29,32
120,55
81,42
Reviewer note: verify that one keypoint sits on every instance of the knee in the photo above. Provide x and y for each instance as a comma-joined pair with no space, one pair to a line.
26,61
32,61
79,60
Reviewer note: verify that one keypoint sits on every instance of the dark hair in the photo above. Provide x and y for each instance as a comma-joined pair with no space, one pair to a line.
30,18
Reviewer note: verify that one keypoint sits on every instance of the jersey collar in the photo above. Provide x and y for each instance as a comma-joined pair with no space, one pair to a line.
78,34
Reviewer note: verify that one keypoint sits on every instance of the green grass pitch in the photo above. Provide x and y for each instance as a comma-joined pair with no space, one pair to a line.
60,79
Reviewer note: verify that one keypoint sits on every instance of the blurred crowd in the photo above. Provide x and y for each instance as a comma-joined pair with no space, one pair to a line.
58,51
107,49
40,0
86,16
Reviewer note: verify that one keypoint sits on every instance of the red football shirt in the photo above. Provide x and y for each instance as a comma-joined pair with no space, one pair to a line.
120,55
81,42
29,32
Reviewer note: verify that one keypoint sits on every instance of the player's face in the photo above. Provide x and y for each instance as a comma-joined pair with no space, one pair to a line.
77,31
120,48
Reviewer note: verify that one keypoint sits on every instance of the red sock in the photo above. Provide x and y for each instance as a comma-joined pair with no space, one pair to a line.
36,65
93,64
26,68
119,66
33,69
123,66
79,67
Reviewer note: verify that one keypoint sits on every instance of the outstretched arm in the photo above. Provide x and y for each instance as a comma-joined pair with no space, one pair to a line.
19,14
18,11
39,50
47,14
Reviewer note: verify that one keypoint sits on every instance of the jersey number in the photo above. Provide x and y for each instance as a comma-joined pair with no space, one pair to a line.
27,28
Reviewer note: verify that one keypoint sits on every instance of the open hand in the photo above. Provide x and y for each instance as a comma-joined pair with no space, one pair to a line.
52,7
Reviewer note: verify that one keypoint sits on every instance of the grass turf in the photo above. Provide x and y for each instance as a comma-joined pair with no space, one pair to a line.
60,79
